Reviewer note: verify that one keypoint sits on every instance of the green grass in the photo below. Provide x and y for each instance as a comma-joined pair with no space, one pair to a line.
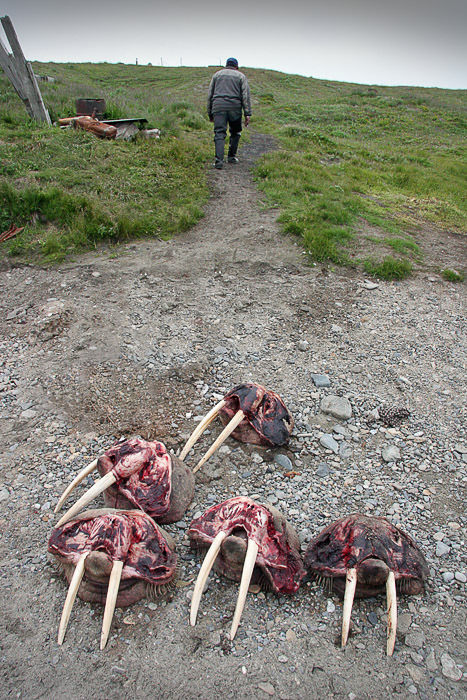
350,158
389,268
452,275
72,191
353,156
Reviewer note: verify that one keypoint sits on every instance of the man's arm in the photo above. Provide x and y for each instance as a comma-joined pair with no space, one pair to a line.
210,94
246,100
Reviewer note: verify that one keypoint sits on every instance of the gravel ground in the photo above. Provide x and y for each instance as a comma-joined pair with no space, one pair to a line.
143,341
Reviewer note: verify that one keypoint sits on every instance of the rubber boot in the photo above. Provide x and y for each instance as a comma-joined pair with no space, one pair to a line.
233,146
219,143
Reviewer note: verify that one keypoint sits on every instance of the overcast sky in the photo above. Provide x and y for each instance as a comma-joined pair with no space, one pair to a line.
384,42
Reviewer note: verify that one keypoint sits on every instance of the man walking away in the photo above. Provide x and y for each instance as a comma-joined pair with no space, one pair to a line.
229,94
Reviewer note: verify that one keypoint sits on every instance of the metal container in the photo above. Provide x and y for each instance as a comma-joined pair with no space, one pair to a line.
88,107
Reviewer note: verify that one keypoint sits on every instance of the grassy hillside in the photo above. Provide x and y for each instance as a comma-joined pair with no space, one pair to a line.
380,161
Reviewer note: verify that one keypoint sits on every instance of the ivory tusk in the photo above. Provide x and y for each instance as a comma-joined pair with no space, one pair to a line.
392,612
78,574
229,428
112,593
87,497
350,586
77,480
201,427
206,567
248,566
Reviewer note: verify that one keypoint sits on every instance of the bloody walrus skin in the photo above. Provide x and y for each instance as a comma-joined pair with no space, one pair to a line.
149,478
372,546
267,421
110,535
278,562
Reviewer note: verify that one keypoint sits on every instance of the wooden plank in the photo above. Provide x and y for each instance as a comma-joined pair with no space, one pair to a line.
10,70
39,105
21,75
12,38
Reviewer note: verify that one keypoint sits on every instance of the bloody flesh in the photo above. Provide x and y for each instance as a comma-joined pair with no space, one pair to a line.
371,545
278,555
147,477
267,421
131,537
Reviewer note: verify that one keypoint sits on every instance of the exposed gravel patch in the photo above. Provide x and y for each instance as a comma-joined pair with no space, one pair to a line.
145,343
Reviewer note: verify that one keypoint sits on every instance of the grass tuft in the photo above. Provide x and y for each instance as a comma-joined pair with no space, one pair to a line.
388,269
452,275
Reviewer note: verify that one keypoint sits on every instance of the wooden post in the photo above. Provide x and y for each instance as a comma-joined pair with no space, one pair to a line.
21,74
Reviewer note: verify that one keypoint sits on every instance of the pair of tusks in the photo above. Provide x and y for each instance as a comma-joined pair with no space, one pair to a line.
97,488
248,566
112,593
350,586
199,430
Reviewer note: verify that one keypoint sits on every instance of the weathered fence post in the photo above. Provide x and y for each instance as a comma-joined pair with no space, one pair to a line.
21,74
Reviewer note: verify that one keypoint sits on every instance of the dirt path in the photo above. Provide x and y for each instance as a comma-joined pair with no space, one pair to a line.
143,342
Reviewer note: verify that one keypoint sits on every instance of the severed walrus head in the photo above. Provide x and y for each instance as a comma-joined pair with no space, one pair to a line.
251,414
250,543
362,556
137,473
114,558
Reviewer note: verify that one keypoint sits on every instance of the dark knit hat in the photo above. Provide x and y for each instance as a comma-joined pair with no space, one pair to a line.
232,62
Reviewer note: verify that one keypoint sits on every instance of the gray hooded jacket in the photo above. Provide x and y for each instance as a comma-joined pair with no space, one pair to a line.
228,90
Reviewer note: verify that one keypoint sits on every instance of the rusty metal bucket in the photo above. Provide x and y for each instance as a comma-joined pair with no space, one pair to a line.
88,107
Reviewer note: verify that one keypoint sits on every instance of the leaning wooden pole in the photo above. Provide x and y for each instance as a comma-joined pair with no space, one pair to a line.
21,74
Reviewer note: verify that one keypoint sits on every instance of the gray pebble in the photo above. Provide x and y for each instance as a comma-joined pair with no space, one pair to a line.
404,621
320,380
431,662
449,668
267,688
329,443
415,640
372,618
29,413
283,461
345,451
119,670
391,453
442,549
323,470
337,406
